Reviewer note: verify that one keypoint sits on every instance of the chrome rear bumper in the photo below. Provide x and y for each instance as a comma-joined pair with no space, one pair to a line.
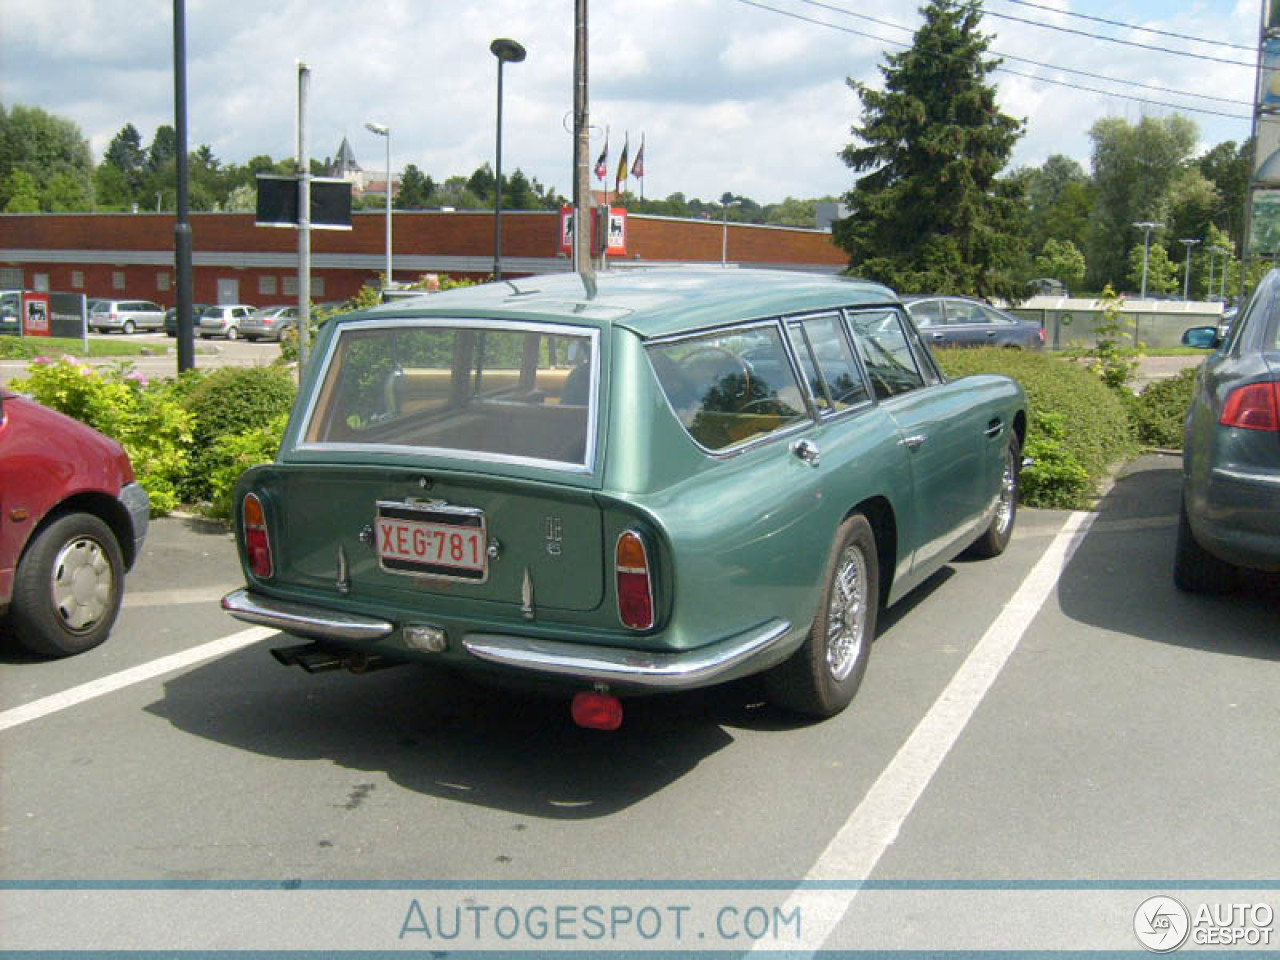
589,663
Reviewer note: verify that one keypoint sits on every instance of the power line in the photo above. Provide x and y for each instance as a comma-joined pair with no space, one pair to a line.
1036,63
1038,79
1126,43
1133,26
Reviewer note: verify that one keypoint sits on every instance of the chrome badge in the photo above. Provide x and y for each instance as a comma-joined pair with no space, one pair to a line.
555,536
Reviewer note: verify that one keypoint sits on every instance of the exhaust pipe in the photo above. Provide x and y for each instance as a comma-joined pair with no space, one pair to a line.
318,658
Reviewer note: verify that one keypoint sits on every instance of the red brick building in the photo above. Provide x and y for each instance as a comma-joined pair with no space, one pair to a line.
131,255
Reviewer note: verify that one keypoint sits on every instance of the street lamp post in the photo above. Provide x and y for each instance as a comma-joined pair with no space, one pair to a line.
507,51
725,201
382,130
1186,280
1146,226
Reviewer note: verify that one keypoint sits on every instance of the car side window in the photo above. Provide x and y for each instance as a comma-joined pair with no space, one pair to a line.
962,311
886,352
730,387
995,316
928,313
821,347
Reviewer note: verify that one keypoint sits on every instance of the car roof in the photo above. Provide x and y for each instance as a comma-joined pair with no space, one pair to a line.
650,302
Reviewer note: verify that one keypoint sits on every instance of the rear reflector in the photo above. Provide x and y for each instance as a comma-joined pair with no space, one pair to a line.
257,546
597,711
635,588
1253,407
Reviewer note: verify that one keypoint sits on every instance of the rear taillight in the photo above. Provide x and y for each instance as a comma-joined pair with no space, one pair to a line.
257,545
635,587
1253,407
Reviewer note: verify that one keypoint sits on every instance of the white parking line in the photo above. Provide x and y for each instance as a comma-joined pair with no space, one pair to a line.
126,678
873,826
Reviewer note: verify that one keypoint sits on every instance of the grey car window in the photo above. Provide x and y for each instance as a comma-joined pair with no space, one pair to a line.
886,352
927,313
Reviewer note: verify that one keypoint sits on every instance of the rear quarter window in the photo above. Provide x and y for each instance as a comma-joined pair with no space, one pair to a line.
731,387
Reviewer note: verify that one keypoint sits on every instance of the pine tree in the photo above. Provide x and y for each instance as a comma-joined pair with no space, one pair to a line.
931,214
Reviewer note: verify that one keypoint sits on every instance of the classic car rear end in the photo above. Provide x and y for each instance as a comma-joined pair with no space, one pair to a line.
655,487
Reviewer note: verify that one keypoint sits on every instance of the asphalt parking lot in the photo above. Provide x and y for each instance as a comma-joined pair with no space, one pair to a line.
1059,716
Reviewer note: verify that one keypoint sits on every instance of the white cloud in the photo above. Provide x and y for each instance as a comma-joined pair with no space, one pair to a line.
728,96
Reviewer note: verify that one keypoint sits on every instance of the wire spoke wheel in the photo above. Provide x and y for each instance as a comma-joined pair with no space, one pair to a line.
847,614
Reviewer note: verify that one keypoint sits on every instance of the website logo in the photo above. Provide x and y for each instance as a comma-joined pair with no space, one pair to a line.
1161,924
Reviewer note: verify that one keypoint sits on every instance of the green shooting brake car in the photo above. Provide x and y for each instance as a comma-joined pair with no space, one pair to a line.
659,480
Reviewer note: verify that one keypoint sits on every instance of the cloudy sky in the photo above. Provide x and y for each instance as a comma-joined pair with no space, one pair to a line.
730,96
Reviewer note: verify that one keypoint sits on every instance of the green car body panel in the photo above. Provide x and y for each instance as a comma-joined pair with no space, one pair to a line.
738,539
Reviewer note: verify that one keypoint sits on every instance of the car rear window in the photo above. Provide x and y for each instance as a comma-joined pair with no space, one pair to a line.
482,391
731,387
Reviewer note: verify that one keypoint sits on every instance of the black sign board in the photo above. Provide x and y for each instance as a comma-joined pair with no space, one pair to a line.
278,202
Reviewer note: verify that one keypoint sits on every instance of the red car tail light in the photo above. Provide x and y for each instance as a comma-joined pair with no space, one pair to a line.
1253,407
635,587
257,545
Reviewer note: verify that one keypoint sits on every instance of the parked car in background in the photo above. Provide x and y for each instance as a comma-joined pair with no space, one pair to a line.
1230,517
127,316
223,320
675,479
962,322
269,323
1048,287
171,318
74,521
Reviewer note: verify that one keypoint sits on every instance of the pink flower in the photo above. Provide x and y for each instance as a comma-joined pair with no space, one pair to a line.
41,360
138,378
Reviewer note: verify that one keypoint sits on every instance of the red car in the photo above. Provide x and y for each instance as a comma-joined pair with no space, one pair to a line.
72,522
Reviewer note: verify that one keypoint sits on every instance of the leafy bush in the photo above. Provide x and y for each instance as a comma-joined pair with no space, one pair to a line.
227,402
231,455
1093,432
153,428
1159,411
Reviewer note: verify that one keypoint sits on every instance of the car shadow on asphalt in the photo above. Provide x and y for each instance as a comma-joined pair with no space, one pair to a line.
1121,577
440,734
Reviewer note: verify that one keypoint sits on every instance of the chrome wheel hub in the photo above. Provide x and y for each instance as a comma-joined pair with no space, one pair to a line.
82,585
847,614
1008,491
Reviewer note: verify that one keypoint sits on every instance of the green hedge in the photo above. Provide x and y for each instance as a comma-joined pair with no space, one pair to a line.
1078,427
1159,411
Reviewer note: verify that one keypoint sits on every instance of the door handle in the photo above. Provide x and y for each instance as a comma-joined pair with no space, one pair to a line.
995,428
915,441
807,451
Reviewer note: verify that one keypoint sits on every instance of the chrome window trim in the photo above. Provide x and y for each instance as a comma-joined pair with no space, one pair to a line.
839,316
585,466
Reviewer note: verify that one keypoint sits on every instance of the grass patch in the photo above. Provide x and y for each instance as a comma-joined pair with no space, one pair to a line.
27,348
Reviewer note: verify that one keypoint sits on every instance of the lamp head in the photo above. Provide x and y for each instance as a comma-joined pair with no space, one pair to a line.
381,129
506,50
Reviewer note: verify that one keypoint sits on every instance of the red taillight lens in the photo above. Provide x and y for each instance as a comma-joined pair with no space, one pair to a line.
597,711
1254,407
257,546
635,589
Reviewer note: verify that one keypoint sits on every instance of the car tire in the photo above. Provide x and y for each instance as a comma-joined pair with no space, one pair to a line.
128,328
232,333
1195,569
821,678
996,537
68,587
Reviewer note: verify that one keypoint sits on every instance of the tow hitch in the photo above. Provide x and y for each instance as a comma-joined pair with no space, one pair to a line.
597,710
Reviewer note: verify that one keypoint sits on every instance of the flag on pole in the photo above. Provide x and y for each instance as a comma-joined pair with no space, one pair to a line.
637,168
602,162
621,177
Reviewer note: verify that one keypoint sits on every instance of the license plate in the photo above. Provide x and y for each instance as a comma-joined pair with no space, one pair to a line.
436,540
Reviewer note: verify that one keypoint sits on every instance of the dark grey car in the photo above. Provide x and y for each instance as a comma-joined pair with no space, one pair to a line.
1230,515
962,322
